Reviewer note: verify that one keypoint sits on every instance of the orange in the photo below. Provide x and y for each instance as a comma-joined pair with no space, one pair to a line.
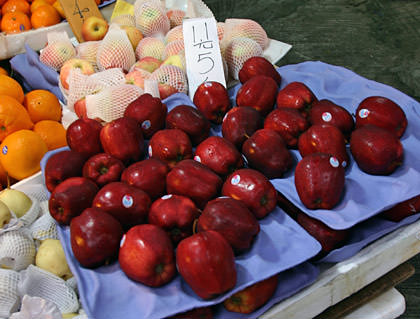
2,1
52,132
57,6
50,1
15,22
21,152
3,71
42,105
3,176
37,3
16,5
13,116
44,16
11,87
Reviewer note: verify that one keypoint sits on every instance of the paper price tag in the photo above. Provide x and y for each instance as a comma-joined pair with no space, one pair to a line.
202,53
77,11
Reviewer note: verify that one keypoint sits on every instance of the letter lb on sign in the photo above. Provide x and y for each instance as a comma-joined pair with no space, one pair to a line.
202,53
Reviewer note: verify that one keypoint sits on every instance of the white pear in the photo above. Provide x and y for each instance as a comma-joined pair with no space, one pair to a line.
50,257
69,315
17,201
5,215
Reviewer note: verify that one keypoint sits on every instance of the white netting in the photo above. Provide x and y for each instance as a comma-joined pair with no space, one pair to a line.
58,50
40,283
88,51
37,308
220,30
83,85
124,19
150,46
171,75
39,191
44,227
245,28
17,250
151,87
173,48
137,77
110,103
9,297
174,34
32,213
197,9
150,17
175,17
72,283
238,51
70,66
115,50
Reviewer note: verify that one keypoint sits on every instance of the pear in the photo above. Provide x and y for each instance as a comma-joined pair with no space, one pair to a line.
5,215
50,257
69,315
17,201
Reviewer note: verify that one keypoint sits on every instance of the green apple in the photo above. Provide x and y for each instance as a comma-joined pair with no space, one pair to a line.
174,60
5,215
51,257
17,201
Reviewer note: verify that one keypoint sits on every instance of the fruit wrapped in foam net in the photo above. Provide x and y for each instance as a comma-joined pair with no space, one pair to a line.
124,20
237,51
58,50
174,35
151,18
137,76
17,249
9,295
150,46
115,50
44,227
175,17
110,103
245,28
172,76
172,48
88,51
41,283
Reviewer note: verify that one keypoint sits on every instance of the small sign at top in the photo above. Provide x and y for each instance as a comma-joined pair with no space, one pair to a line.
202,53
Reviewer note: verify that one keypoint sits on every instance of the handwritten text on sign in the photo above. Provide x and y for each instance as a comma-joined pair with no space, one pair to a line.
202,53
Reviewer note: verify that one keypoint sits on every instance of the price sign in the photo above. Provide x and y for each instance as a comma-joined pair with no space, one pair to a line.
202,53
77,11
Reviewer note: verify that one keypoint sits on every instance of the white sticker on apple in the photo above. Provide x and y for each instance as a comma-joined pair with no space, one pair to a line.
208,84
146,125
224,117
326,116
127,201
4,150
235,180
197,158
334,162
364,113
150,151
122,240
166,196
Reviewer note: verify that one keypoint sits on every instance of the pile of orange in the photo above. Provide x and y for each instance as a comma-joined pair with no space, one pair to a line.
22,15
29,127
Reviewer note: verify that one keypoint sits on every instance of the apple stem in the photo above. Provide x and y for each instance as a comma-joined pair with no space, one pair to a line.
246,136
263,201
194,227
159,268
236,300
8,180
103,170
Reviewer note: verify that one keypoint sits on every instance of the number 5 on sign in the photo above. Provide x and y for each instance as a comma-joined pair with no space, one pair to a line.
202,53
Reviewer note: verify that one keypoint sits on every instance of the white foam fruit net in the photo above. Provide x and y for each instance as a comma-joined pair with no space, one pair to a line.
150,46
238,51
44,228
151,18
58,50
172,48
220,30
115,50
245,28
9,296
174,34
17,250
88,51
137,76
124,19
110,103
175,17
171,75
31,215
37,282
37,308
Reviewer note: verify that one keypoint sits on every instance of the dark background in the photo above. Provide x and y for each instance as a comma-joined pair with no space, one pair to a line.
379,40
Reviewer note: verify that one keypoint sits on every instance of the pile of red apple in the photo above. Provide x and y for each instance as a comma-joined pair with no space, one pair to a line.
123,204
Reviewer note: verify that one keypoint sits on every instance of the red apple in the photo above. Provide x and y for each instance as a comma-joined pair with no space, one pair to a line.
103,168
258,65
326,139
147,255
254,189
70,198
240,123
289,208
207,263
123,139
166,90
61,166
212,99
259,92
149,112
80,108
94,28
175,214
253,297
148,175
137,77
128,204
196,313
376,150
191,121
95,237
170,146
219,154
319,181
296,95
383,112
403,209
194,180
232,219
288,122
266,152
83,137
